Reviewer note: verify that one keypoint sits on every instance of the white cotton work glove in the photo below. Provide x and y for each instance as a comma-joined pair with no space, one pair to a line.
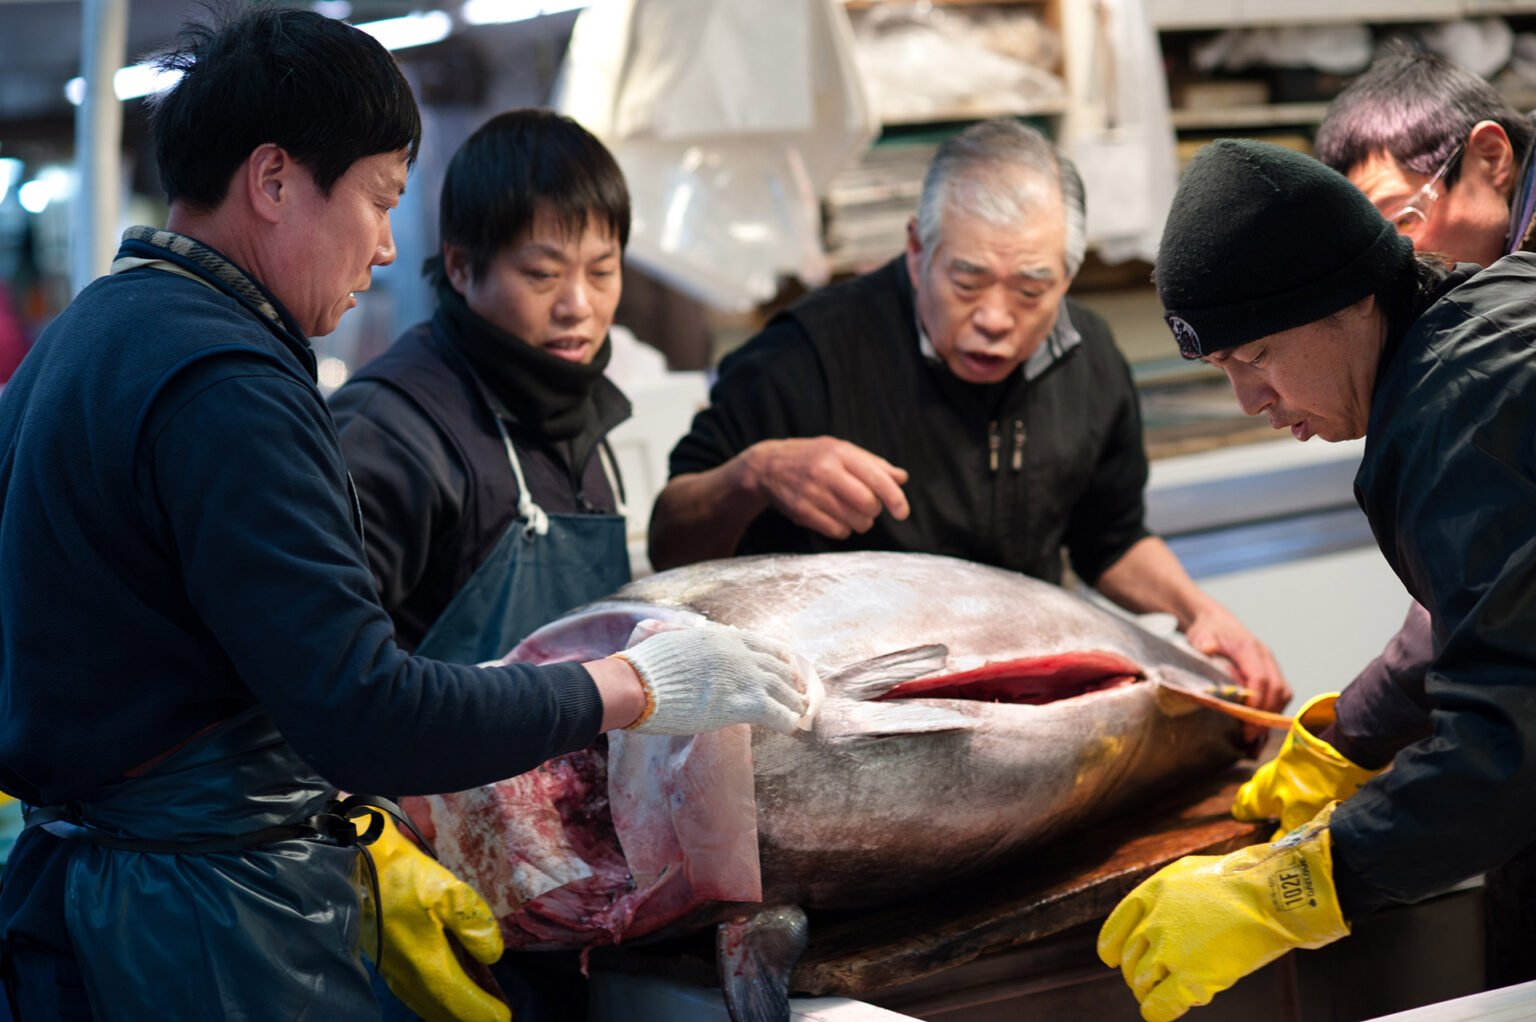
705,678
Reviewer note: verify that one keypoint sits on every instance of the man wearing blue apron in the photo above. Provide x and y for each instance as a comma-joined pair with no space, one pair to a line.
490,500
193,657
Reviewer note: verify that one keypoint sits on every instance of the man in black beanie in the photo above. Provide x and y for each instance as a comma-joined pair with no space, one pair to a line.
1278,271
1256,245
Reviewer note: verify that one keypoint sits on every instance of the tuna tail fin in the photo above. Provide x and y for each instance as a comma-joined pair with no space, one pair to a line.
1176,700
755,955
873,678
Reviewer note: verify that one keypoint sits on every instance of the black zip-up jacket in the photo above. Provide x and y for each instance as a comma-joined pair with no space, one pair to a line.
1448,482
433,480
1006,474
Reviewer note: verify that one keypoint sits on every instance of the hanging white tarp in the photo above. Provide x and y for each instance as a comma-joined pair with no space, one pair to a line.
729,118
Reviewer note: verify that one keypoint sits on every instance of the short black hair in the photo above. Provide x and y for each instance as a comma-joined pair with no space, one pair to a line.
1408,295
324,91
513,166
1417,107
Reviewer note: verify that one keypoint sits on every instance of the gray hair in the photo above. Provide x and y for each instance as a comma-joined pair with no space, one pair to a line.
1001,171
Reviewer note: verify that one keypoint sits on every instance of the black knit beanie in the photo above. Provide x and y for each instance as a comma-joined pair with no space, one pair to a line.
1261,239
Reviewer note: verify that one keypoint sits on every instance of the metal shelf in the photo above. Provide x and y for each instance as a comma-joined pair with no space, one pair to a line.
1259,116
977,113
864,5
1175,15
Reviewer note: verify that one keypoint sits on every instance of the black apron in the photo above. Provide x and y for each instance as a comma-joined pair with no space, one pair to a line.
219,884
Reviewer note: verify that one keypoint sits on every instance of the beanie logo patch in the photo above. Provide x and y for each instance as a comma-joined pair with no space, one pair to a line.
1189,341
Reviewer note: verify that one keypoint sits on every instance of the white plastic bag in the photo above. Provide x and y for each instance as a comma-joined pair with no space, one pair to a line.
728,118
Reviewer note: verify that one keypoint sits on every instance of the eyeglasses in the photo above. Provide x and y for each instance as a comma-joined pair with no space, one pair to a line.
1414,214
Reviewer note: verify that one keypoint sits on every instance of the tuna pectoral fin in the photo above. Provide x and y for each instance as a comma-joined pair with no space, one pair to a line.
873,678
755,955
1176,700
847,723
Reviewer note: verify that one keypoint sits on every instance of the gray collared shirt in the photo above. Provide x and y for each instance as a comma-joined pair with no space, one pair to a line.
1062,339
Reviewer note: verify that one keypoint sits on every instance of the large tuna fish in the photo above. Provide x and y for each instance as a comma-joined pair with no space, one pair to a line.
969,713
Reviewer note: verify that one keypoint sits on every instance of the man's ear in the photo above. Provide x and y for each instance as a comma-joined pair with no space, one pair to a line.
914,253
266,180
1490,156
457,267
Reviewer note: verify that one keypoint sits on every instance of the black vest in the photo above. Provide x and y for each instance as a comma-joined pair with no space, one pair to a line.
425,368
1014,508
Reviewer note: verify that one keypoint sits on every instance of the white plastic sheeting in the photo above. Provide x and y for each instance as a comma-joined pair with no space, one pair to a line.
924,63
1118,131
728,118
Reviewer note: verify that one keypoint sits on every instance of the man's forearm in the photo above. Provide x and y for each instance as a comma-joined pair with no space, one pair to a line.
1148,578
702,515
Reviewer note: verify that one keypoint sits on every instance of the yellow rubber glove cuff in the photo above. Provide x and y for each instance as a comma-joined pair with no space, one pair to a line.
1202,923
421,902
1306,775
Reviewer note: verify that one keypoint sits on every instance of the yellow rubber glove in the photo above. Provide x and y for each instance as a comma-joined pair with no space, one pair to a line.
1306,775
1204,922
421,901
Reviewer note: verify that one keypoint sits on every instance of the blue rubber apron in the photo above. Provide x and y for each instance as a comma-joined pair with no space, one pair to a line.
218,884
541,567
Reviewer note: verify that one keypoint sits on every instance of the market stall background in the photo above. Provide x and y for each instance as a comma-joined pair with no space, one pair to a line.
1130,88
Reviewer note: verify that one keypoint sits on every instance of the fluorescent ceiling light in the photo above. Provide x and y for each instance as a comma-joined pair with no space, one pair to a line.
33,196
129,83
496,12
411,30
51,183
393,33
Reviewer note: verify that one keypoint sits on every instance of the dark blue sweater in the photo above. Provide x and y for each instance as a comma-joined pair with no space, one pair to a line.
178,541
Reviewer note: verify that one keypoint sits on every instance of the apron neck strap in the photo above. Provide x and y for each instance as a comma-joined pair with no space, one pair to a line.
537,522
611,473
530,512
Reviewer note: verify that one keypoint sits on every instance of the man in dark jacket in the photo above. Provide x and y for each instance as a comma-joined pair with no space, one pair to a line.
1446,159
491,504
1280,272
192,656
953,402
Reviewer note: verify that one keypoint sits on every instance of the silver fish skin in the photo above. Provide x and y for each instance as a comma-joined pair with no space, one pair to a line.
891,793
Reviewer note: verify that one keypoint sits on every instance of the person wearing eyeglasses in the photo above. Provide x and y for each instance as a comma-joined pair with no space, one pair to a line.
1439,152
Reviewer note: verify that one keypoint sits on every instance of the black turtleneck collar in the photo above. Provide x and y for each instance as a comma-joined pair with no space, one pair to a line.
563,401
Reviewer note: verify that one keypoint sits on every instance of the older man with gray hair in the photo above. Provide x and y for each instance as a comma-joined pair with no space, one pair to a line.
963,369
